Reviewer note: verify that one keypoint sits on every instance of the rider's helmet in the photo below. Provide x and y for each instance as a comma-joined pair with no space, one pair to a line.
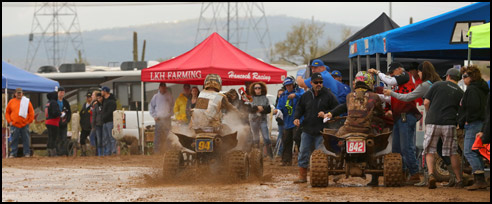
213,81
365,77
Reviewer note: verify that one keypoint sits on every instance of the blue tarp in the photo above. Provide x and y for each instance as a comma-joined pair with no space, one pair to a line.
13,77
442,36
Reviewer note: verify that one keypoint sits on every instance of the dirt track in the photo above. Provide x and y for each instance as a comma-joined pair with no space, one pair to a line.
137,178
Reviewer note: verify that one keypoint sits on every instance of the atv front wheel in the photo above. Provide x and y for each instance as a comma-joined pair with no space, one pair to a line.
319,169
238,164
393,171
172,162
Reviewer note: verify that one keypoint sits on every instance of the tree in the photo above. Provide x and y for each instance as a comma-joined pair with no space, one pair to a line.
346,33
301,44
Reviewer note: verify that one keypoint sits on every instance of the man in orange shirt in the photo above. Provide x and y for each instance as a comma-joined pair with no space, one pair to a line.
19,115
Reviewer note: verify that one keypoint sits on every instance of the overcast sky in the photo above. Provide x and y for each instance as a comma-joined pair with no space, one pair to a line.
17,17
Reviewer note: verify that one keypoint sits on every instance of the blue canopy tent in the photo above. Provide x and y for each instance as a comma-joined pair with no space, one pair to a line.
13,77
439,37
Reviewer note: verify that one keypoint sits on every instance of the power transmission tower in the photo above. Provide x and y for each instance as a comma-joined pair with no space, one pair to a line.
55,25
234,21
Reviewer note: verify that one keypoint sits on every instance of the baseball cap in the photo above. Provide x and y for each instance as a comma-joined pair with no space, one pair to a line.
89,94
316,76
162,84
18,89
61,89
105,88
317,63
394,66
288,80
452,72
336,73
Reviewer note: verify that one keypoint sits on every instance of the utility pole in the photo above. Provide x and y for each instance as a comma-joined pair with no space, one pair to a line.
391,12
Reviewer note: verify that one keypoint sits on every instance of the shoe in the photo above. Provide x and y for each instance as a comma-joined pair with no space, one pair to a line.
432,182
415,178
302,175
459,185
11,156
27,156
479,182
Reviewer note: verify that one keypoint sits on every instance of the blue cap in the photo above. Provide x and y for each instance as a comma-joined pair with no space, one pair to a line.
336,73
288,80
327,68
317,63
105,88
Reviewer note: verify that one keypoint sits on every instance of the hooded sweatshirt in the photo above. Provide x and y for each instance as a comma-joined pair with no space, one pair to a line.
108,106
473,103
52,110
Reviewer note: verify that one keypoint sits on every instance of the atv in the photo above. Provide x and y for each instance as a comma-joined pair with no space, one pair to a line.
209,148
356,154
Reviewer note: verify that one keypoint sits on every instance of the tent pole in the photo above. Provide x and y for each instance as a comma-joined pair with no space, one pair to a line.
368,63
390,60
351,72
7,128
142,104
358,63
469,56
378,67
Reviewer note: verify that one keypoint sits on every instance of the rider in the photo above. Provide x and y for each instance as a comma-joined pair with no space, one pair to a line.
209,106
365,111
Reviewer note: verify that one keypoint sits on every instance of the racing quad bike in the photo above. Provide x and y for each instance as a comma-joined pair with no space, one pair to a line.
357,154
209,148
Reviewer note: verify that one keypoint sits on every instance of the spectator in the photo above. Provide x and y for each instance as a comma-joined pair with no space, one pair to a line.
93,135
471,118
52,113
442,105
343,89
97,123
405,117
317,66
85,123
258,116
279,146
62,140
365,111
287,105
161,109
192,102
108,107
429,76
180,105
19,114
312,105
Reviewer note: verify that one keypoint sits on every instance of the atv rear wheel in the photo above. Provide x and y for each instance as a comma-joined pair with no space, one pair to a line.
172,162
393,171
238,164
256,163
319,169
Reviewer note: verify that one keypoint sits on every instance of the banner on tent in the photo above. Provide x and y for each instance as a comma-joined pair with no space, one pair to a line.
460,30
175,75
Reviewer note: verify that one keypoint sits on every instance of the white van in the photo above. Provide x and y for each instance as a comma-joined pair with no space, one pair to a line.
125,123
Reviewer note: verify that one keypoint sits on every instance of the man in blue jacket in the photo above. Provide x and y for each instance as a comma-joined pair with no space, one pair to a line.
343,89
287,104
317,66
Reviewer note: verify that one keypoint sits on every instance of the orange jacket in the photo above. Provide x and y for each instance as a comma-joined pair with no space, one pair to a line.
12,113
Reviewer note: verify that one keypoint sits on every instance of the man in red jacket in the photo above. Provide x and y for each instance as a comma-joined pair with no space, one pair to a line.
19,114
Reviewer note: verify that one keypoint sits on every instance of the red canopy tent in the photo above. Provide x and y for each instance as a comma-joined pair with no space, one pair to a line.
214,56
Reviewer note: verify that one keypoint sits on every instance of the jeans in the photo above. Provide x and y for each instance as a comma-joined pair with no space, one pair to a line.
92,137
61,141
16,134
404,142
475,160
288,141
308,144
109,143
280,143
257,124
162,128
99,140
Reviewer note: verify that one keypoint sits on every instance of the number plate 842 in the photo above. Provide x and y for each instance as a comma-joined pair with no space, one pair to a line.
204,145
356,147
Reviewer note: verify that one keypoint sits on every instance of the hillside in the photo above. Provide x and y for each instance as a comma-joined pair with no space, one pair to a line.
164,40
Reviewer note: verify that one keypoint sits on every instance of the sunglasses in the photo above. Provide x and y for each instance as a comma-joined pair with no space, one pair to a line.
465,76
257,87
317,82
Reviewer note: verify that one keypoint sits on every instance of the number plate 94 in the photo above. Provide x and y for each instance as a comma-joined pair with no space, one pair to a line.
204,145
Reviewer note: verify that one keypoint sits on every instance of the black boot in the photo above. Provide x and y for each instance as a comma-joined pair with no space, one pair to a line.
479,182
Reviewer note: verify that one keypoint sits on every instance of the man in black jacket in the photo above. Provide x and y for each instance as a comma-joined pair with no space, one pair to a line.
109,105
85,122
62,142
313,105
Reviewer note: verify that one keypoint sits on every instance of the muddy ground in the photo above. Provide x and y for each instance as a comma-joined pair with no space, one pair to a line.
138,178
